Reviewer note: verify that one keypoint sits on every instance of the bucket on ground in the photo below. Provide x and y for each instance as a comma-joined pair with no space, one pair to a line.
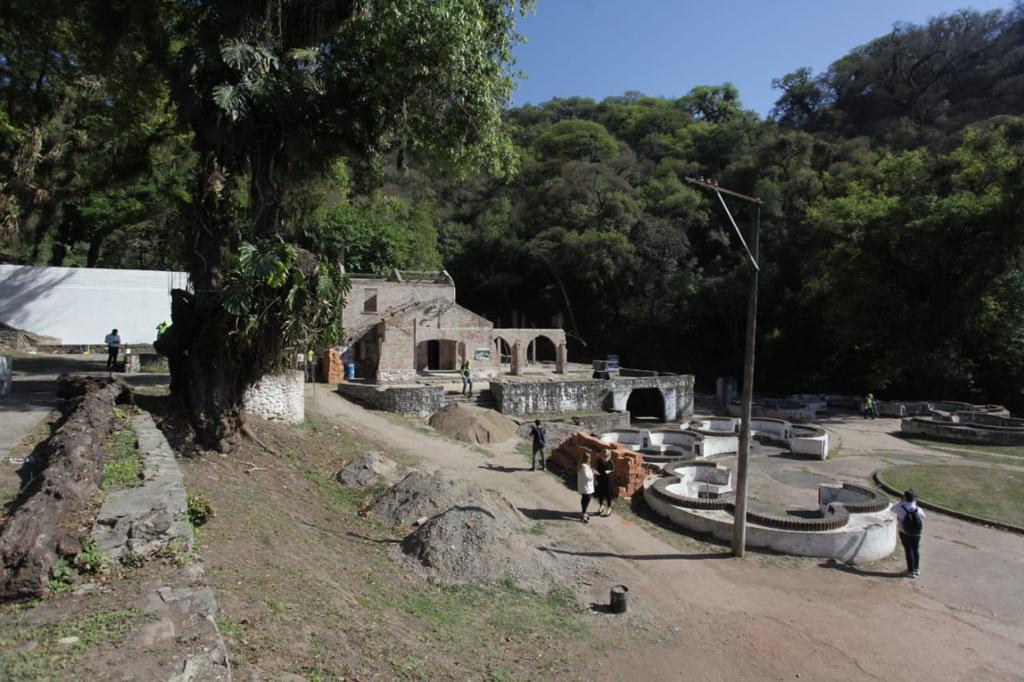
620,595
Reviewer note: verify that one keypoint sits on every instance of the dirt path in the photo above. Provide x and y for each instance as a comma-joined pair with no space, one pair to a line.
766,616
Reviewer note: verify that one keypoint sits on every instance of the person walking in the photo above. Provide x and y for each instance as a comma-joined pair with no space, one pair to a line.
113,342
585,486
539,438
604,470
870,409
910,520
467,377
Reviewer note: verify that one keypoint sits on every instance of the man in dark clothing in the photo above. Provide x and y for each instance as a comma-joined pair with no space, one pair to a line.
113,342
910,520
538,436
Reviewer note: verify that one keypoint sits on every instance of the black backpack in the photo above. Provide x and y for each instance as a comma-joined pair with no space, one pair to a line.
912,523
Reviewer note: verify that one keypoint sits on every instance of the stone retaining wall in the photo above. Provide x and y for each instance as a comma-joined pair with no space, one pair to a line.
963,433
142,520
413,401
278,396
521,398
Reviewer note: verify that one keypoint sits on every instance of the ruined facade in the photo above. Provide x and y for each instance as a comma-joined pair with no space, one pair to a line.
407,324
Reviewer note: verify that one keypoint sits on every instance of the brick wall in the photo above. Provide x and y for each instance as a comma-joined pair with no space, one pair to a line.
629,466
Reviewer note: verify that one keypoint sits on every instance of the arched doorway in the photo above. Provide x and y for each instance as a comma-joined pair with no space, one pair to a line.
541,349
646,404
502,351
436,354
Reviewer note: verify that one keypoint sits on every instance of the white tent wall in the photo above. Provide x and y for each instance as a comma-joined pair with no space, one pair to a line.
80,306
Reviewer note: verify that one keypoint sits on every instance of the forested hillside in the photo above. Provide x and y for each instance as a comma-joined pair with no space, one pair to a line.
891,236
892,230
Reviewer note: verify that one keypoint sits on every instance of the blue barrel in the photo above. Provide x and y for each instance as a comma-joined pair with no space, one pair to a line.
350,371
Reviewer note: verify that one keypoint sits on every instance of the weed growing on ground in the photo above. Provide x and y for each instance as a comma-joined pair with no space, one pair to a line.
60,577
90,560
176,552
199,509
123,465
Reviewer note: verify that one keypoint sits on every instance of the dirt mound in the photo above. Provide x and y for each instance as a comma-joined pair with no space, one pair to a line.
417,495
471,544
370,468
472,424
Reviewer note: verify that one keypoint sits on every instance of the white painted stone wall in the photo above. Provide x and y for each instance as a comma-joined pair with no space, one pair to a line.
80,306
278,396
5,375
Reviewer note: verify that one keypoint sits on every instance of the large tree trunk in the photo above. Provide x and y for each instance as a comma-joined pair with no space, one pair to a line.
207,372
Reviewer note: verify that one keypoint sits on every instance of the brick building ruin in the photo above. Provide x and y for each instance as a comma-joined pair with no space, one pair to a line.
408,324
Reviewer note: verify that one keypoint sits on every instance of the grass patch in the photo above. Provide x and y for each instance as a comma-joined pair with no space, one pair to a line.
123,465
471,615
35,652
996,494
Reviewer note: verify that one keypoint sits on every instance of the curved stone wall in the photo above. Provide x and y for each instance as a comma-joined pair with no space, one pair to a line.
855,526
278,396
960,432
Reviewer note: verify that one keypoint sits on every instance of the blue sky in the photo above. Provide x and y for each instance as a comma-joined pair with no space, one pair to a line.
598,48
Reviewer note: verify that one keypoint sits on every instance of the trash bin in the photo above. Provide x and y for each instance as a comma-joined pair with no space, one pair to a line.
350,371
620,595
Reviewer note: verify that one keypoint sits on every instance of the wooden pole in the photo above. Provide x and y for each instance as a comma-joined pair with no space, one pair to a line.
739,527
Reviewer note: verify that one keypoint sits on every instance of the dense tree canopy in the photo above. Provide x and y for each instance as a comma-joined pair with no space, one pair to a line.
258,143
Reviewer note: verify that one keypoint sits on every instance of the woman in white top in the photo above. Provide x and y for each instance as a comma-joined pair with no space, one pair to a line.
585,486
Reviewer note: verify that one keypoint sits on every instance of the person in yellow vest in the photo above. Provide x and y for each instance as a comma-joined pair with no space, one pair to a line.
870,408
467,377
310,366
161,328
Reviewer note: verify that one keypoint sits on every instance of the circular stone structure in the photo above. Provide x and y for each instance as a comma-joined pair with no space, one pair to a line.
712,436
853,524
966,427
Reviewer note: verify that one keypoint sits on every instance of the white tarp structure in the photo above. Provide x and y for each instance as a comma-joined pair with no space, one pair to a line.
80,306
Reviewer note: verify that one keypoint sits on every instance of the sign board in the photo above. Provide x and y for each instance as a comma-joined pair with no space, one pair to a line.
613,363
481,354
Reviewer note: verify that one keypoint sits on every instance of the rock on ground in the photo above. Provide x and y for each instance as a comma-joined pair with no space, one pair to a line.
472,424
472,544
370,468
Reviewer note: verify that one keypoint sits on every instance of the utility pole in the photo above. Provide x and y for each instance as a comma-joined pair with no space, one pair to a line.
739,527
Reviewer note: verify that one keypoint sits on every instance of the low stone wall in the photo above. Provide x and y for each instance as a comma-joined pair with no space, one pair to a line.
142,520
526,397
278,396
956,432
5,374
412,401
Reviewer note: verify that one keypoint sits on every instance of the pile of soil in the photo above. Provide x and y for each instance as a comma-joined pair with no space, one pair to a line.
421,495
370,468
417,495
472,424
472,544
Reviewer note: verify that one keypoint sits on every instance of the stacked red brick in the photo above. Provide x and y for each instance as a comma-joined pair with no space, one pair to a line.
629,465
331,367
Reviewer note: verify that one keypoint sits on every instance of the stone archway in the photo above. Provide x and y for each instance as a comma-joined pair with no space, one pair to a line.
541,349
646,404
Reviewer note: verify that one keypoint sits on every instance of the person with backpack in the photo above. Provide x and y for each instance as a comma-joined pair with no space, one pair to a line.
870,408
539,438
910,521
